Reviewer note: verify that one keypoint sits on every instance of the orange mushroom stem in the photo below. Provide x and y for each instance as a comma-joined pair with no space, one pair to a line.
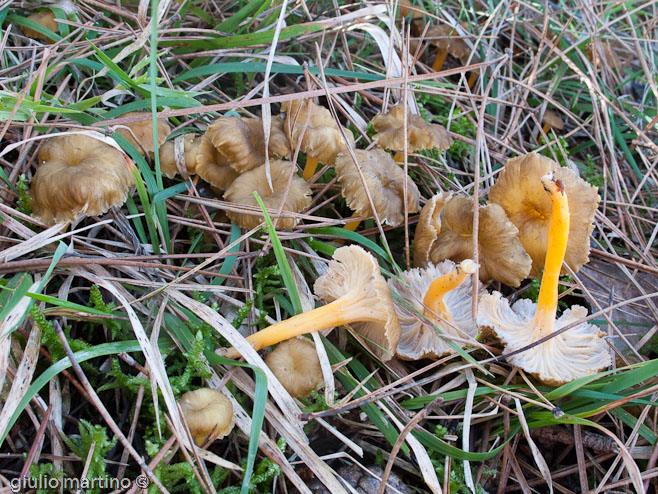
557,246
441,55
309,169
433,300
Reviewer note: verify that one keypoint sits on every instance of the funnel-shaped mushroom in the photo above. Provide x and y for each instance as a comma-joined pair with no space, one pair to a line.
385,180
449,41
212,166
428,228
167,152
443,294
78,174
519,191
208,413
44,17
420,134
242,190
501,254
322,139
143,132
579,351
296,365
551,120
242,141
356,293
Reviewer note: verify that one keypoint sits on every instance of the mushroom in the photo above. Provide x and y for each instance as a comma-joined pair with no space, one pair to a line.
322,138
167,151
296,365
212,166
356,293
385,181
208,413
420,134
448,41
551,120
78,174
241,191
501,254
47,19
241,141
578,352
519,191
428,228
143,132
443,294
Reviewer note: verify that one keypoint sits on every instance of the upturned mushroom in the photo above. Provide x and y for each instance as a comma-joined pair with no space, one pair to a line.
296,365
356,294
519,191
420,134
212,166
321,140
578,352
241,141
385,181
443,294
449,42
190,150
78,174
208,414
241,191
448,234
140,134
44,17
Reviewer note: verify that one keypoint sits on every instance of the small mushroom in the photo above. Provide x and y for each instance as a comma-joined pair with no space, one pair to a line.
212,166
519,191
208,413
241,191
428,228
356,293
322,139
578,352
443,294
167,151
44,17
143,132
385,181
448,41
242,141
551,120
296,365
501,254
78,174
420,134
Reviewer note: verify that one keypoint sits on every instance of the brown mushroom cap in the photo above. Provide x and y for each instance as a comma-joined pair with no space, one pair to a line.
448,39
578,352
519,191
143,132
167,153
207,411
553,119
501,254
385,180
355,272
322,138
212,166
78,174
242,141
421,134
296,365
47,19
428,228
419,340
242,190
